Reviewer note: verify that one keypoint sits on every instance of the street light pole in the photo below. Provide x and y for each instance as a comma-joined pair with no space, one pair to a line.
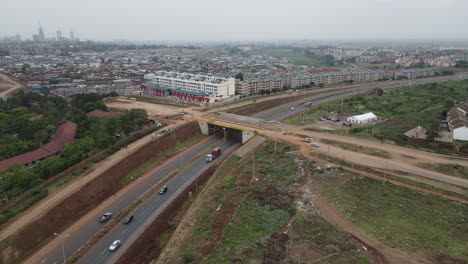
63,247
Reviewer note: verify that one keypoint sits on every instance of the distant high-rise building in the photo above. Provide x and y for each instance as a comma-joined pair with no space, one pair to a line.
41,34
59,35
17,37
72,36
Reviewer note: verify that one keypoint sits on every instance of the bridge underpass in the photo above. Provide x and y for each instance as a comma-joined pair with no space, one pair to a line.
224,125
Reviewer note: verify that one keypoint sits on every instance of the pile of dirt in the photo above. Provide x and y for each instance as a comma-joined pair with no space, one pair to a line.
276,199
89,196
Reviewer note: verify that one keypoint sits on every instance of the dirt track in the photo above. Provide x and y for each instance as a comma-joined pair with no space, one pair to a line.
54,198
335,217
10,84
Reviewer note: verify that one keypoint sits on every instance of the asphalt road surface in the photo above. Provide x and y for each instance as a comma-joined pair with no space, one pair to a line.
283,111
92,226
147,212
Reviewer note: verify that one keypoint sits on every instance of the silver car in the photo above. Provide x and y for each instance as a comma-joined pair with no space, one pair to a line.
114,245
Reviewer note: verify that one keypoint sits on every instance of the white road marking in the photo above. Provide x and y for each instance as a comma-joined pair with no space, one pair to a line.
43,261
125,230
102,252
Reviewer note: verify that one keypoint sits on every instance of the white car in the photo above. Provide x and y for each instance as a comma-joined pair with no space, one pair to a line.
114,245
315,144
308,140
292,108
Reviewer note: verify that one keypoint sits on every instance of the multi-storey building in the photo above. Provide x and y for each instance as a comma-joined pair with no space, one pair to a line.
211,87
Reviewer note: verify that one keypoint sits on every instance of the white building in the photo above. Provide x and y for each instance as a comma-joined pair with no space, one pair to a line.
361,119
215,87
458,121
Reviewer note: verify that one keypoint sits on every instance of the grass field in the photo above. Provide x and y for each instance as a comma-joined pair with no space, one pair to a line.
403,218
400,109
449,169
264,210
295,57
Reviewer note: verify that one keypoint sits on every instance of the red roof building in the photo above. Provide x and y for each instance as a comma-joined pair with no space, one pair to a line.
65,134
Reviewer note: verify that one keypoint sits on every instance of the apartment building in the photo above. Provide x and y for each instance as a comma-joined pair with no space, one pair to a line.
215,88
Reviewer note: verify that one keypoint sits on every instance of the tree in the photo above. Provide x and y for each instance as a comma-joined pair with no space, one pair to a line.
17,179
448,103
240,76
378,91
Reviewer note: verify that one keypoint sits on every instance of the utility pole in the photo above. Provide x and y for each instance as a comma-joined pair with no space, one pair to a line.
341,110
253,165
275,146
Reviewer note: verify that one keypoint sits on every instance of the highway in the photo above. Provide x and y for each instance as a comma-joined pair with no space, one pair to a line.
86,227
147,212
89,225
283,111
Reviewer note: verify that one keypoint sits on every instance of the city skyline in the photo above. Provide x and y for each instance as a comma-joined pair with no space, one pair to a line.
240,20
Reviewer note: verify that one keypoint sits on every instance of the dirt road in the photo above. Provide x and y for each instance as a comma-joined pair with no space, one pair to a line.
55,197
335,217
402,159
10,86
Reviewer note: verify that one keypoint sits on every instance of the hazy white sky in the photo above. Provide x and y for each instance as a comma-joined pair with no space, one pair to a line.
237,19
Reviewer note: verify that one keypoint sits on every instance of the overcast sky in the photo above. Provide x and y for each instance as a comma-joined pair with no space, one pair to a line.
237,19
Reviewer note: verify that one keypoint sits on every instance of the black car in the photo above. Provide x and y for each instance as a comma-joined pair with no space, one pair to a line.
128,219
163,190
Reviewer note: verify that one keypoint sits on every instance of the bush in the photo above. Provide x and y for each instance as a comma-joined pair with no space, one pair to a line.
187,257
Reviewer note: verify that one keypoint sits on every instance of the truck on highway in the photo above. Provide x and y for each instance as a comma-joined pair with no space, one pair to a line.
214,153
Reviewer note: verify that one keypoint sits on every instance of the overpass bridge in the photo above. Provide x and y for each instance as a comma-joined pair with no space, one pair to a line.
236,127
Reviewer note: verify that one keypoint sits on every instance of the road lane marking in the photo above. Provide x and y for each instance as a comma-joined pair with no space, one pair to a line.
102,252
125,230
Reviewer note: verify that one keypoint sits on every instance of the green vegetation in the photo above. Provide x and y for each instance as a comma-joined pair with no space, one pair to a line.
356,148
20,133
449,169
23,206
146,166
402,217
263,211
252,222
308,228
400,109
297,57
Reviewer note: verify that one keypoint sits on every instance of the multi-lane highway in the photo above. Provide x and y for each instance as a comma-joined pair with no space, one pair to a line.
83,230
148,211
283,111
88,226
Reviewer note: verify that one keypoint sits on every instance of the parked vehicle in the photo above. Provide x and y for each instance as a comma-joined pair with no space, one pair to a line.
315,144
346,124
308,140
105,217
308,104
114,245
214,153
128,219
163,190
